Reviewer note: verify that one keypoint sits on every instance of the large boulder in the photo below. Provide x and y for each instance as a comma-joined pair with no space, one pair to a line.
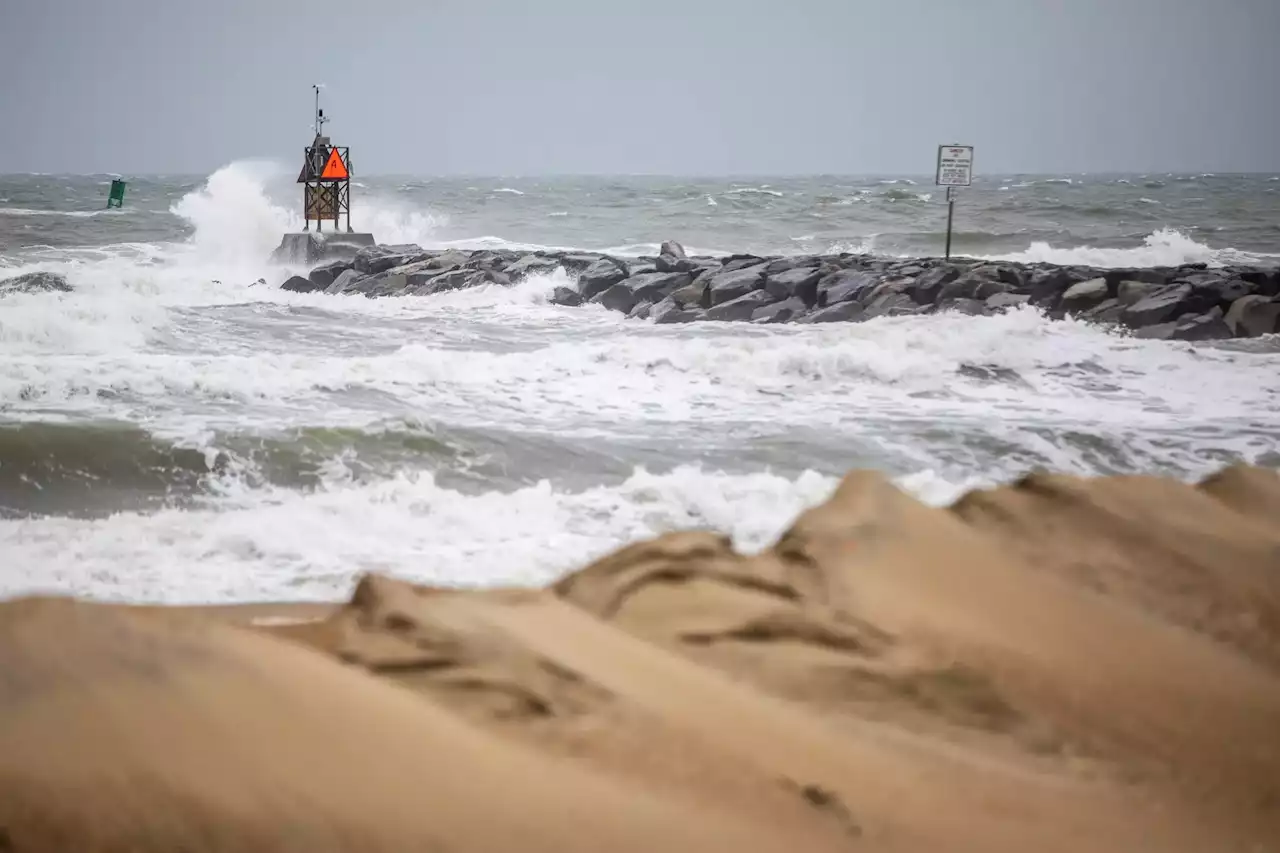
1083,295
838,313
667,311
781,265
738,262
727,286
892,304
742,308
926,286
1107,311
1163,305
298,284
1000,302
979,285
575,263
600,276
617,298
845,286
36,282
376,259
1046,286
427,283
562,295
1253,315
1132,291
656,286
640,311
694,294
531,265
671,258
323,275
974,307
780,312
1202,327
346,282
801,282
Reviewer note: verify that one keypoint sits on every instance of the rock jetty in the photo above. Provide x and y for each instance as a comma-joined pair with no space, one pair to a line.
1192,302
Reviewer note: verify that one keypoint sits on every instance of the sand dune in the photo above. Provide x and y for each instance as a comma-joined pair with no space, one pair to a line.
1058,664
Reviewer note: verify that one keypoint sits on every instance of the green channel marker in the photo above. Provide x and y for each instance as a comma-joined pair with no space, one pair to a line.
116,196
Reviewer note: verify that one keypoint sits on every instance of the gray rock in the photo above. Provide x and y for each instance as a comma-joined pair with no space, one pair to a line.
617,298
656,286
1133,291
346,282
845,286
667,263
975,307
36,282
692,294
800,282
575,263
531,265
1226,291
892,305
1107,311
672,249
1142,276
1047,286
1005,301
738,262
780,312
1265,282
978,286
429,283
452,258
640,312
1203,327
389,283
567,296
1083,295
298,284
727,286
323,275
671,258
667,311
928,285
792,262
1165,304
1253,315
742,308
376,259
838,313
600,276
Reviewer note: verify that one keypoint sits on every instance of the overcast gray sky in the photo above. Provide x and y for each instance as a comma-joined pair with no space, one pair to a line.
659,87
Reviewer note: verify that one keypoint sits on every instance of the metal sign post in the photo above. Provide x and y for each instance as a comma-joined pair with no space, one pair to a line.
955,169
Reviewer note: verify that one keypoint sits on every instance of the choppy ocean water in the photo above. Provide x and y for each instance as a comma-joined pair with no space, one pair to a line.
168,431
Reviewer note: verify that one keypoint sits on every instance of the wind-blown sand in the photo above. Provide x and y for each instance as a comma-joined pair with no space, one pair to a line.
1055,665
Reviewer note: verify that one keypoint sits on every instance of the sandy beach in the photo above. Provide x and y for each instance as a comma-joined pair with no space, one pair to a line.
1058,664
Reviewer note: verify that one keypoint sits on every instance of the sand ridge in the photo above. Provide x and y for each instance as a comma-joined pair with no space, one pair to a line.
1057,664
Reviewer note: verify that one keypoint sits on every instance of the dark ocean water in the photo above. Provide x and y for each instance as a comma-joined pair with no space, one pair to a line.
169,430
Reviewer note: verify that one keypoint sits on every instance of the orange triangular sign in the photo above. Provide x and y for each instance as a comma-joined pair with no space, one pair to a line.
335,169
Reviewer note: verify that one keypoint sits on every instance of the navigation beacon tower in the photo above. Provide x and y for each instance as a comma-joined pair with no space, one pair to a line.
326,178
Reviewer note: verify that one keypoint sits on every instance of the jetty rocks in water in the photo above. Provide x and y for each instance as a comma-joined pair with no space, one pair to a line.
1189,302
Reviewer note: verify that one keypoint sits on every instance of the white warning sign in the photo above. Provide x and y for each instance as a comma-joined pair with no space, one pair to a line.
955,165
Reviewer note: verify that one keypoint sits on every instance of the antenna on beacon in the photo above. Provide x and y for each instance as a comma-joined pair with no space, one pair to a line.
320,119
